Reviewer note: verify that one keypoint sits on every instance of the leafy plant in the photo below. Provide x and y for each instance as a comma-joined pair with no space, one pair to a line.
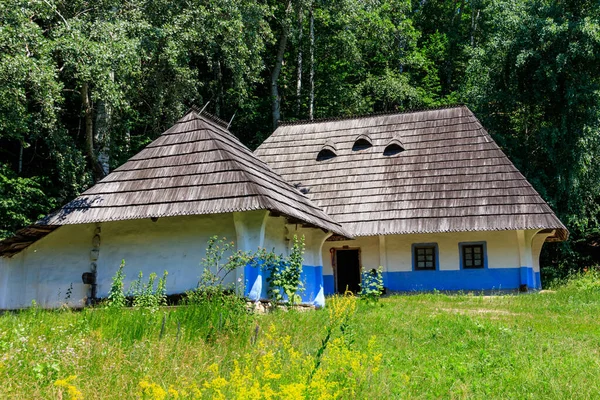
143,295
371,285
116,296
215,267
586,281
146,296
161,290
284,278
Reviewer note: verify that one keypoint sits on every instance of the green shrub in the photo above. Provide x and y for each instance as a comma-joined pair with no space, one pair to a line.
215,267
285,273
116,296
586,281
371,286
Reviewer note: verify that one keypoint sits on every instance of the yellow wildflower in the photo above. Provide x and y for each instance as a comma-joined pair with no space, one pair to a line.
150,390
174,394
293,391
72,391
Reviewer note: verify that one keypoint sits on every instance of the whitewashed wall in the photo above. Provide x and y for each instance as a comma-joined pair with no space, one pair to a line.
175,244
46,270
505,250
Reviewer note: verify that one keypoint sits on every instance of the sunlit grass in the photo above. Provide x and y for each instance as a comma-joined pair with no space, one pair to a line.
432,346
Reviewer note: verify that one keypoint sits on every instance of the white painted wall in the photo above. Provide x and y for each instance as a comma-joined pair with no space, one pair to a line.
274,233
536,248
395,253
46,269
314,240
175,244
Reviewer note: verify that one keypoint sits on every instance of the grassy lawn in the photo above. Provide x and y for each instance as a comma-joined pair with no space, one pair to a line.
422,346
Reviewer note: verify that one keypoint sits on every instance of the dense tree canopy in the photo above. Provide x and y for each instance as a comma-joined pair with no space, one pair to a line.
83,85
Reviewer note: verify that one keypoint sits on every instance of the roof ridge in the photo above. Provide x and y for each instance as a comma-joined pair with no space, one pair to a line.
211,117
374,114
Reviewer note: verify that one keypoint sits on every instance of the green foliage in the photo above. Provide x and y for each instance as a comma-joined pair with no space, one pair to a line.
208,315
371,285
284,274
146,296
116,295
534,83
22,200
161,290
216,266
587,280
140,295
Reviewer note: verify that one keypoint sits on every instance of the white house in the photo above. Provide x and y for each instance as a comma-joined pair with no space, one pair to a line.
427,195
157,211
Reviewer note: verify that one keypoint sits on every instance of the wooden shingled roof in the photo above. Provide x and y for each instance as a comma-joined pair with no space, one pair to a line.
195,167
450,177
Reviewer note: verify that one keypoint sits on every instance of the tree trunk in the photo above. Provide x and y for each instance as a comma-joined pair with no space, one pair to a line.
20,168
219,88
102,136
276,98
299,79
312,66
474,18
89,132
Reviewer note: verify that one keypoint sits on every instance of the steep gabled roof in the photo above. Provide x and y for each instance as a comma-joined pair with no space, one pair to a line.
195,167
450,177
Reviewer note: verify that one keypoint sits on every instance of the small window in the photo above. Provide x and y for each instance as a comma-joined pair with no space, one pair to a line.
425,257
325,154
362,142
472,255
392,149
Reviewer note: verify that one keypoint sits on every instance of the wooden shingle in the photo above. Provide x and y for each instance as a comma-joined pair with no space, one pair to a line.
449,176
195,167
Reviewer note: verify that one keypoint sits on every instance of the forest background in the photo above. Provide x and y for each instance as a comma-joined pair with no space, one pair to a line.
85,84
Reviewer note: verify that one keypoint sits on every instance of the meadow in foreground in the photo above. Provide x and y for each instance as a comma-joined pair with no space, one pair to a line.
542,345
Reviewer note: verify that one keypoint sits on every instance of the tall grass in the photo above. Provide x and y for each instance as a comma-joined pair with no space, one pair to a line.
430,346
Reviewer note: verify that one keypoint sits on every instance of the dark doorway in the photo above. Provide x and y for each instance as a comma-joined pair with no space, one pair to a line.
348,270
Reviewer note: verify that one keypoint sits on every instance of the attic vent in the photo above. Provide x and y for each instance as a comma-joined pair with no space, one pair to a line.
394,147
327,152
362,142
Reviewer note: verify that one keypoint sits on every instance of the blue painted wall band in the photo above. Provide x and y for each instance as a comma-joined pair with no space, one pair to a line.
455,280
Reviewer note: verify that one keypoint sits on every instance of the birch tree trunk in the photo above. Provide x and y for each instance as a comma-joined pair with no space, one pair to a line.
102,137
219,88
299,78
20,167
474,19
312,66
276,98
89,132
